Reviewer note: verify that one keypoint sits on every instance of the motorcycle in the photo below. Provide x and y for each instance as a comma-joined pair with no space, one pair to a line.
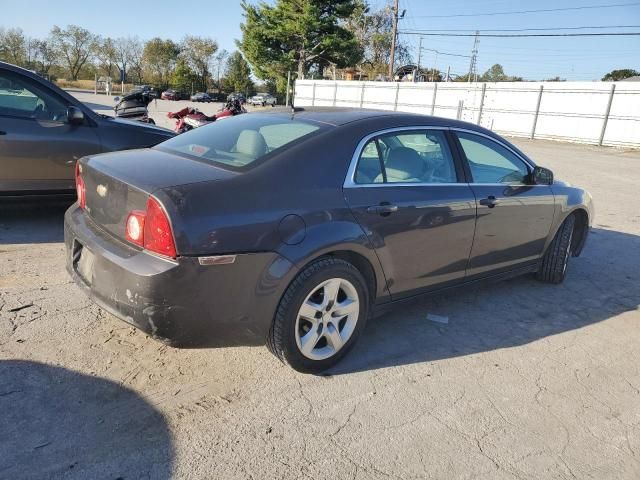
189,118
134,107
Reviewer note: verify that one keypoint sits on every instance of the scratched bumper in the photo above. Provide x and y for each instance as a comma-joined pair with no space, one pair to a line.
181,303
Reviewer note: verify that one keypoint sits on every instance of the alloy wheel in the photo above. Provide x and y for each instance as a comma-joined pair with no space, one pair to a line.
327,318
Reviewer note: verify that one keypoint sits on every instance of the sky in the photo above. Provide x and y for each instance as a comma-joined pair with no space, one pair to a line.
577,58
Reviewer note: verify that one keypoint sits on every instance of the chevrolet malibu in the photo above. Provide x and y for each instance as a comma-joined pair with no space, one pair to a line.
289,228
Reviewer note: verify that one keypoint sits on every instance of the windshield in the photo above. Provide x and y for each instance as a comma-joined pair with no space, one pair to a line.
240,141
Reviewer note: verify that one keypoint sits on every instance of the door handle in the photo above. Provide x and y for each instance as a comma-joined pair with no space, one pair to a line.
490,201
383,209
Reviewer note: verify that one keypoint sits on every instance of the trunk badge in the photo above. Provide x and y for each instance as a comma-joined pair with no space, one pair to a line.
102,190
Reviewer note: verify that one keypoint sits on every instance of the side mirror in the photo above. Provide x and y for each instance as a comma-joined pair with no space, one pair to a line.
75,116
116,99
542,176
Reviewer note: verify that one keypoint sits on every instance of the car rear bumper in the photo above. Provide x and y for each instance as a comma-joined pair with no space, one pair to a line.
181,302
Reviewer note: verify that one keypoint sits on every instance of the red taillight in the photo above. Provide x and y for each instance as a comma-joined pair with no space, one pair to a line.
80,189
158,236
151,229
134,231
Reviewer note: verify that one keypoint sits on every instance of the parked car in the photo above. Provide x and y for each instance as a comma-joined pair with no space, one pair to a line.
237,96
201,97
192,243
263,99
170,94
150,91
44,131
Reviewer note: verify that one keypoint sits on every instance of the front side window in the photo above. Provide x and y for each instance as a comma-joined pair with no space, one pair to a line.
239,142
20,98
490,162
417,156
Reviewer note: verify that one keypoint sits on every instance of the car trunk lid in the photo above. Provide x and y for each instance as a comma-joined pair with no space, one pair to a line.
118,183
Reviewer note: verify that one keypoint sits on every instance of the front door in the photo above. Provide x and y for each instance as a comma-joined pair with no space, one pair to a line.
407,193
514,217
38,148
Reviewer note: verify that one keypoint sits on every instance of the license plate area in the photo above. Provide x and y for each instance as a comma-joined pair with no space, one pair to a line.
83,260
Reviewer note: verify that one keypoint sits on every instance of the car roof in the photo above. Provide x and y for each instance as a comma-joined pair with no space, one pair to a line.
338,116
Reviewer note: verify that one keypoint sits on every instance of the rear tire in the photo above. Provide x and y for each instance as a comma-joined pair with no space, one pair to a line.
320,316
553,267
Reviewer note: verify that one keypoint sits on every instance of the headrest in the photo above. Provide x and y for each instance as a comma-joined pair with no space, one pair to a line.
404,163
251,143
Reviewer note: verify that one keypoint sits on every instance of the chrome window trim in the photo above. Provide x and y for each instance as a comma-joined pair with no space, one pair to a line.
350,182
350,178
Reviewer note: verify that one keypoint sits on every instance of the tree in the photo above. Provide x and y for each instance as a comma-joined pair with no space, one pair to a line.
297,35
106,54
496,74
125,52
136,52
13,47
183,76
198,53
373,31
238,74
46,56
219,60
615,75
160,58
74,47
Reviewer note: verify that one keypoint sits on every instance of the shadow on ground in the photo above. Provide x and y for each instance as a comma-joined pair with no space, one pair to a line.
602,283
56,423
34,221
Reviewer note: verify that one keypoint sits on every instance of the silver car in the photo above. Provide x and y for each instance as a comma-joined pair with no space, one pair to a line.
263,99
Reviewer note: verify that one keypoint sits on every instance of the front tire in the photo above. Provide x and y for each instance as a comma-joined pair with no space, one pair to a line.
553,267
320,316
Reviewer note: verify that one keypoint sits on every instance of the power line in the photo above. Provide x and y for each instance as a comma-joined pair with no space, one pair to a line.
543,10
445,53
500,35
521,29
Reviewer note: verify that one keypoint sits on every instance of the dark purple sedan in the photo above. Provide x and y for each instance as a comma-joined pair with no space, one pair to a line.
289,228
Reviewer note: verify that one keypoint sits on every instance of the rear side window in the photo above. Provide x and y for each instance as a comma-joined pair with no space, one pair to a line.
420,156
241,141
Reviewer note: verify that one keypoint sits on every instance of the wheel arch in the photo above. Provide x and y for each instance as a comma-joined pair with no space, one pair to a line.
580,229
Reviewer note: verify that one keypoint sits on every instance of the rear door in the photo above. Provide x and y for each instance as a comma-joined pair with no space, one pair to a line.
38,148
514,217
408,193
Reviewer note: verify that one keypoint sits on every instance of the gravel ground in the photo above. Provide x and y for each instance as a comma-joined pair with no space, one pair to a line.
526,381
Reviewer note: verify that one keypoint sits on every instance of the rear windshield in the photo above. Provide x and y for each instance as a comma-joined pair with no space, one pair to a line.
240,141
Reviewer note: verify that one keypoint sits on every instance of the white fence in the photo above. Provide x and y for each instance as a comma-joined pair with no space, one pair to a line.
601,113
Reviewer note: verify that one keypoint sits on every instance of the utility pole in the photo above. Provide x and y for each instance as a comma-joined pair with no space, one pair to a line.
474,57
417,74
393,38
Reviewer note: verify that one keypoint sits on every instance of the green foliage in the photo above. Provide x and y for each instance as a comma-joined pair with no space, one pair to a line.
238,74
183,76
373,31
616,75
298,35
496,74
160,58
74,46
198,52
13,46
